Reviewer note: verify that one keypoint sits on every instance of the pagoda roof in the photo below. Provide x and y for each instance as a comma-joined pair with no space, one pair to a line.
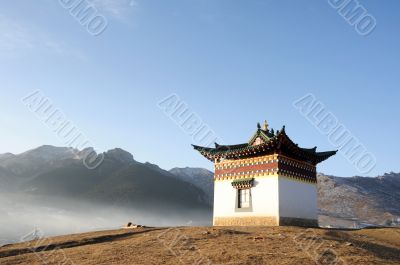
271,142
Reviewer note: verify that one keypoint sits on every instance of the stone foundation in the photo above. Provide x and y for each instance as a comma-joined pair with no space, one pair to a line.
264,221
289,221
246,221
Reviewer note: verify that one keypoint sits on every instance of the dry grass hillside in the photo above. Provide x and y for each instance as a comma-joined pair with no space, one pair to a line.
207,245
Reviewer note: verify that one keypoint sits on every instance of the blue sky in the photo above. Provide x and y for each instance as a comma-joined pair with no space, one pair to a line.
234,63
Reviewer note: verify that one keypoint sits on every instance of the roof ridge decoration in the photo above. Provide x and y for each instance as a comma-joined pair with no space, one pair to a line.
266,125
265,134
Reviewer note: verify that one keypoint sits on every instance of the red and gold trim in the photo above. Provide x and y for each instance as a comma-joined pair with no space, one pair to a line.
265,166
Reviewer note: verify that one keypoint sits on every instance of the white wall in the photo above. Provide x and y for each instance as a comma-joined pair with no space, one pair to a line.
297,199
264,198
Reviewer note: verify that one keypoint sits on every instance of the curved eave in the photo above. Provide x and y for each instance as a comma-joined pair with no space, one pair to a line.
215,153
307,154
230,147
322,156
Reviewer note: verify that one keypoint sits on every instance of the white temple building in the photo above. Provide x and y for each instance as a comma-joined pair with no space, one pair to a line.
268,181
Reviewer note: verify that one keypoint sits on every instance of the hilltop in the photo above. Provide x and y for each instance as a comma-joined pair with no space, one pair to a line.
206,245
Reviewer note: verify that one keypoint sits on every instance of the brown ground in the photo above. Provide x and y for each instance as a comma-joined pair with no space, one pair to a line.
200,245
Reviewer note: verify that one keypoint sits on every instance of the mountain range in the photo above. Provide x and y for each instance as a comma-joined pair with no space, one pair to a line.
120,180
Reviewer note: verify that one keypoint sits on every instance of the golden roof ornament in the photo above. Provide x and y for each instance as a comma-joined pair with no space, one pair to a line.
266,125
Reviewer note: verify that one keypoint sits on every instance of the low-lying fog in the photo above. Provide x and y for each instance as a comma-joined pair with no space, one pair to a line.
21,215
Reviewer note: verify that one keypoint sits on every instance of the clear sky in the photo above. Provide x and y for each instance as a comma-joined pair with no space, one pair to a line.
234,63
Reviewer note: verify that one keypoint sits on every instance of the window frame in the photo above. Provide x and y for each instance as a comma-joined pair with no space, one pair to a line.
243,205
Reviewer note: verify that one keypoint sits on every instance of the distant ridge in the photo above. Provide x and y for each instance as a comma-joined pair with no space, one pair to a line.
359,201
200,177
